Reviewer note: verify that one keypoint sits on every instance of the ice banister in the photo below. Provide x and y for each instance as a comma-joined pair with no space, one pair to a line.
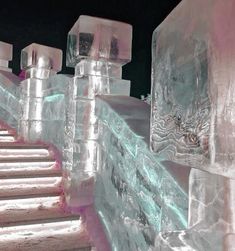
97,48
39,62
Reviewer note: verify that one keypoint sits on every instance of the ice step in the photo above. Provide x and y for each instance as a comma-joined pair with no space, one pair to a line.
28,209
4,131
30,186
28,167
52,236
18,153
7,137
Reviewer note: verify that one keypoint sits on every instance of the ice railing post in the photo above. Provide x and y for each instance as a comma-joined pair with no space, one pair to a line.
192,122
97,48
39,63
5,56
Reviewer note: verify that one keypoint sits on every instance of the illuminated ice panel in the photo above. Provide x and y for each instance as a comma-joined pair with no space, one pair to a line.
134,194
99,39
193,103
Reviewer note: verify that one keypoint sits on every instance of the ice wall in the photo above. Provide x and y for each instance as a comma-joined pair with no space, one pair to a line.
192,117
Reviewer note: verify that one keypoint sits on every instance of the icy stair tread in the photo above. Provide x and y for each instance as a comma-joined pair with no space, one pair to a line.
52,236
31,212
30,186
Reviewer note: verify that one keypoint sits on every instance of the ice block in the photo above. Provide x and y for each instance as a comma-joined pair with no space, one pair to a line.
38,58
5,55
193,102
99,39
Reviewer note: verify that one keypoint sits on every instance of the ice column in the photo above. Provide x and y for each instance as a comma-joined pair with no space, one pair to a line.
39,63
97,48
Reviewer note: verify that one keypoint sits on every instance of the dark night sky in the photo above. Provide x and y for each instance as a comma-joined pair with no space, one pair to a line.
48,22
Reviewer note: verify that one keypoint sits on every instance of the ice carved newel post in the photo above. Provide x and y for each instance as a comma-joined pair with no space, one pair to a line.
39,63
193,108
97,48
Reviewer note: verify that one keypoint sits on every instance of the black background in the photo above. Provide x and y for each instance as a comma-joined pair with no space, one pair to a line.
48,22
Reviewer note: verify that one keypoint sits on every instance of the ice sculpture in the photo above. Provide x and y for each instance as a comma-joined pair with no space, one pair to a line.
9,93
5,55
97,48
192,91
135,195
42,116
192,117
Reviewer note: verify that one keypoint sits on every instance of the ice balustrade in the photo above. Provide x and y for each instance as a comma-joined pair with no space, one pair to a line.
9,94
144,201
192,118
34,107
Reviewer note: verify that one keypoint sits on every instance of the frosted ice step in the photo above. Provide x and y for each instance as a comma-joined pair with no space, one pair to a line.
33,208
4,131
51,236
30,186
7,137
17,150
28,167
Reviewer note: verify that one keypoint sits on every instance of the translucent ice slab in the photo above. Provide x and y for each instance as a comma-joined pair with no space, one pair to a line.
211,216
193,104
42,95
35,57
134,195
5,55
98,38
9,88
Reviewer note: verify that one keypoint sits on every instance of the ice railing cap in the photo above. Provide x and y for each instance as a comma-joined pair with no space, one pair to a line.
99,39
5,51
41,56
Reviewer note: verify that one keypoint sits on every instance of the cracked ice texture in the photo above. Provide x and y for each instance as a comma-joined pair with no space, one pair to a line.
99,39
193,117
193,103
211,216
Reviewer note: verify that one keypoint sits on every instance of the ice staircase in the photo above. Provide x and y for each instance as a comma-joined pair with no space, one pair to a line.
32,216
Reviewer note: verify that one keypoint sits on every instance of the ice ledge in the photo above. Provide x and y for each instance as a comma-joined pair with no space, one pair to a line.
135,114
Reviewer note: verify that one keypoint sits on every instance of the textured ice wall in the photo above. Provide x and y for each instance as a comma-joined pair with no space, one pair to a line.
42,95
9,98
135,195
193,102
192,118
43,114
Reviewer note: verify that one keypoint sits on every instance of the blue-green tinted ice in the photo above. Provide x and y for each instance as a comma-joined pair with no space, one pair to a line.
192,117
135,195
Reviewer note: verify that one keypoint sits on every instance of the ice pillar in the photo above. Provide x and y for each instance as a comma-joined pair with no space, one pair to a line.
97,48
39,63
5,56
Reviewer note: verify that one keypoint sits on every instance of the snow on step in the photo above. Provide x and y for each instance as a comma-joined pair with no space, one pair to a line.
26,209
7,138
28,168
54,236
30,186
17,153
